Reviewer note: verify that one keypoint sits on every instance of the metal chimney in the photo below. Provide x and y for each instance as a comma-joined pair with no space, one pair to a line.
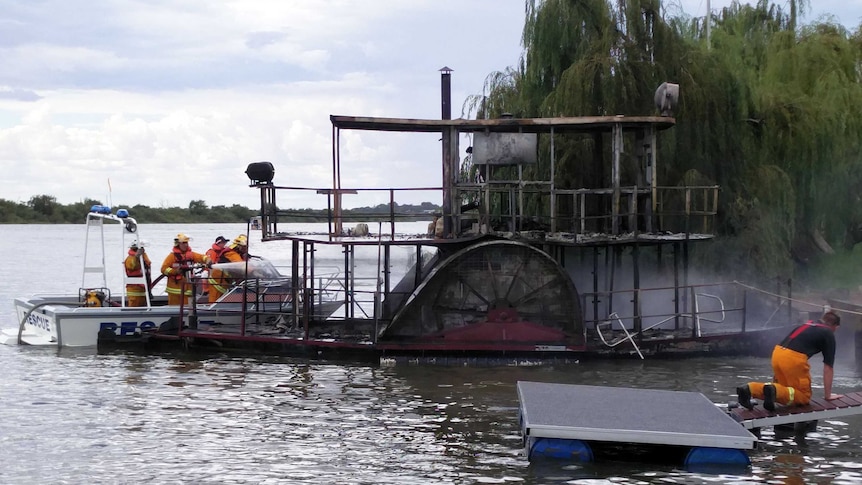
446,92
450,147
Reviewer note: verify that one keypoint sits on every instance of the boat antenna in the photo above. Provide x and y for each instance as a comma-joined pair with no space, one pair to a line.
110,201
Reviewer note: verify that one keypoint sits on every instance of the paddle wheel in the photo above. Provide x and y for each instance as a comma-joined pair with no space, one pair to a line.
492,292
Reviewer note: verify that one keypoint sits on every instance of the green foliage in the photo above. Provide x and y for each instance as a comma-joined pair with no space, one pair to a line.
43,204
198,207
770,110
15,213
831,271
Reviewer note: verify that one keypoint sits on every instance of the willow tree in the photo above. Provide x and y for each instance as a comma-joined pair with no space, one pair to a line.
803,111
810,99
582,58
770,111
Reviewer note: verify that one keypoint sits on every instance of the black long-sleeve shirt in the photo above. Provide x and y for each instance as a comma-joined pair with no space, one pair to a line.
812,338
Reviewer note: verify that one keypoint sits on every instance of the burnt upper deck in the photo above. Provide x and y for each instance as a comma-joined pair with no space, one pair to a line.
560,238
578,124
628,205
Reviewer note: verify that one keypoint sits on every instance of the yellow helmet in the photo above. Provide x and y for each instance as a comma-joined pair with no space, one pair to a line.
181,238
240,240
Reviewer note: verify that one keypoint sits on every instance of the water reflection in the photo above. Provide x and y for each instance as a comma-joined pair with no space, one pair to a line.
80,417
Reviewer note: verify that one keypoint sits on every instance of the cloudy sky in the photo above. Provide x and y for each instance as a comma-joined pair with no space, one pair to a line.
171,99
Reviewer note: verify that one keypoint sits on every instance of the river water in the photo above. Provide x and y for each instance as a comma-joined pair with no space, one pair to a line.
75,416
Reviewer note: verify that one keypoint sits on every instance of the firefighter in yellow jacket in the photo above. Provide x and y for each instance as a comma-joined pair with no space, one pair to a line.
219,279
137,293
177,268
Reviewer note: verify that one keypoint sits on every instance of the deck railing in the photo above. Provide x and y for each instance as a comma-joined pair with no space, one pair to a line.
690,311
512,206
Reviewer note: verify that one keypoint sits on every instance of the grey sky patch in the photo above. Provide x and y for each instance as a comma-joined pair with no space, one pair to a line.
256,40
19,95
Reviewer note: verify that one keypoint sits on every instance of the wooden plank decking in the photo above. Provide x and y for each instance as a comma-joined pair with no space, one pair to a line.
817,409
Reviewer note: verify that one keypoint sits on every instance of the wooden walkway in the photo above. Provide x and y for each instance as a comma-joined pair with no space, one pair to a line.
817,409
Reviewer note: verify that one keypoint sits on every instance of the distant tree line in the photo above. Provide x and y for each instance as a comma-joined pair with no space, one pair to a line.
380,212
41,209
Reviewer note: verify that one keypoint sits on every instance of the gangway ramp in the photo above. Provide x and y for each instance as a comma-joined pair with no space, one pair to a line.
819,408
568,421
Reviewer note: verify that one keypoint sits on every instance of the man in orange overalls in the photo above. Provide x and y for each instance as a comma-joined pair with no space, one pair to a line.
792,374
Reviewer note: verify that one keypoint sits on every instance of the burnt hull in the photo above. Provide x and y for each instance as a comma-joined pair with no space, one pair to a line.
750,343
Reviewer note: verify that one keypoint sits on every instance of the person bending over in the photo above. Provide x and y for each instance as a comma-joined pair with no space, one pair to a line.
792,374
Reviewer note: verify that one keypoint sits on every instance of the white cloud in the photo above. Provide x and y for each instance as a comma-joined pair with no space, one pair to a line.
171,100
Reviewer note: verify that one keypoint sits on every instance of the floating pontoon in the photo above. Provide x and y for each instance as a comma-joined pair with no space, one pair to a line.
581,423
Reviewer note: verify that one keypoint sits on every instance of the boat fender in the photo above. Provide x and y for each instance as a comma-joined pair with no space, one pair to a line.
131,227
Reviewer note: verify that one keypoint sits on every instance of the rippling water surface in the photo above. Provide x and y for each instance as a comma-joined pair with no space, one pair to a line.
77,417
